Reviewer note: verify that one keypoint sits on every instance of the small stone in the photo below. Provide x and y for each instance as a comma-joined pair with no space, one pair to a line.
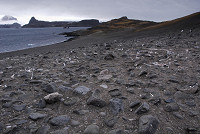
41,103
95,99
36,82
148,124
104,72
53,97
104,77
143,73
115,92
7,105
60,120
19,107
145,96
74,123
64,89
91,129
173,80
183,96
131,90
109,57
190,103
1,127
50,88
43,130
21,122
104,86
171,107
193,113
132,74
191,130
116,131
60,132
111,122
33,128
169,130
36,116
70,101
10,129
116,105
167,93
178,115
155,100
81,90
143,108
102,113
134,104
80,112
169,100
190,89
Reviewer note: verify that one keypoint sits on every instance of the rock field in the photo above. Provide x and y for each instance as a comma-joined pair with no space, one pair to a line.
143,85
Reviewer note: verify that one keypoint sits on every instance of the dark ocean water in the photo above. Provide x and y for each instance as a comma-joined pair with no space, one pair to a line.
12,39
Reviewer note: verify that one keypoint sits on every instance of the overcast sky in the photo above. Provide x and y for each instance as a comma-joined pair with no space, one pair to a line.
61,10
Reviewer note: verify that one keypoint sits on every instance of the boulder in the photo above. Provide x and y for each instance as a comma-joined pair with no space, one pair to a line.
143,108
53,97
148,124
36,116
81,90
61,120
96,100
116,105
92,129
50,88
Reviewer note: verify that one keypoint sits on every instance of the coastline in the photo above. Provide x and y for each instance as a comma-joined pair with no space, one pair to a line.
76,42
37,45
68,44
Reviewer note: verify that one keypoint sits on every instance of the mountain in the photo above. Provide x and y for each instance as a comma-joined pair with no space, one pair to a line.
122,23
8,18
130,26
34,23
14,25
115,25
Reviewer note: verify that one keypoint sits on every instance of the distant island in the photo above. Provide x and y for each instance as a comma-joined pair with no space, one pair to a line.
8,21
34,23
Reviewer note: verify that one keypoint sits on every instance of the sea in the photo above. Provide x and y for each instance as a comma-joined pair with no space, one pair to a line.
12,39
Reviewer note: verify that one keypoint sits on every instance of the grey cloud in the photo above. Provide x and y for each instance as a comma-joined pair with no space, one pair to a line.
155,10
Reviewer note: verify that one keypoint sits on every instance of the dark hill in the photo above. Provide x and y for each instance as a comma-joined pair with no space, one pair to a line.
122,23
190,21
128,27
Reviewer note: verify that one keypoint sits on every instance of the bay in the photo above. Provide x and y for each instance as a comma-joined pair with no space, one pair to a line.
12,39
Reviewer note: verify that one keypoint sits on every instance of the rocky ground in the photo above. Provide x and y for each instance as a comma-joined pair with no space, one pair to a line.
142,85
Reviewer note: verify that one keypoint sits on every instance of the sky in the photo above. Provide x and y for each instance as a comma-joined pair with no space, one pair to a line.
104,10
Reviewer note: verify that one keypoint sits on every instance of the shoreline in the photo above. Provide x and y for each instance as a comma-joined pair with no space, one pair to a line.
68,44
74,42
36,49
